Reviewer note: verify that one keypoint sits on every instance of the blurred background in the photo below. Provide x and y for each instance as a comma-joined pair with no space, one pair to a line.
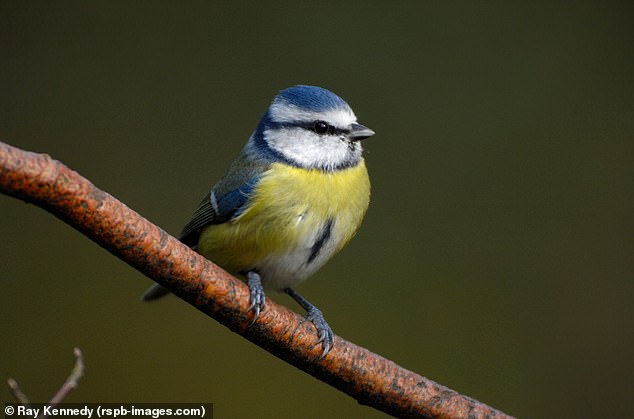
496,257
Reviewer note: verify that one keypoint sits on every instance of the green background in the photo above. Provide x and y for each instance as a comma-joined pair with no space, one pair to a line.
497,254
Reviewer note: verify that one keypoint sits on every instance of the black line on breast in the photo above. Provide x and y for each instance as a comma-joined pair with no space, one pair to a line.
323,237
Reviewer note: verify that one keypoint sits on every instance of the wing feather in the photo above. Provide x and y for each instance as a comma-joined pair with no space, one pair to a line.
228,198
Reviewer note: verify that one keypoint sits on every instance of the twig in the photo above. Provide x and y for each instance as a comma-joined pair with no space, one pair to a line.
70,384
72,381
17,392
369,378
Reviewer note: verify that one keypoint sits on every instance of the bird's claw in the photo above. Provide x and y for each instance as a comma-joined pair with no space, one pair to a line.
324,331
257,298
315,316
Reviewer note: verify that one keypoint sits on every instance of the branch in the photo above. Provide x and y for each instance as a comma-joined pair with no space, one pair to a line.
17,392
70,384
72,381
369,378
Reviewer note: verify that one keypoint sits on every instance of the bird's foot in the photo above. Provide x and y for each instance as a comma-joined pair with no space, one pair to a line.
323,329
257,298
316,317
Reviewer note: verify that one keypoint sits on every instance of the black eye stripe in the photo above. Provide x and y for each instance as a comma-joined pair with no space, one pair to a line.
322,127
310,126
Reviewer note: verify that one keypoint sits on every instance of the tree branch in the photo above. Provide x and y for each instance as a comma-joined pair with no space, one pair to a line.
72,381
70,384
369,378
17,392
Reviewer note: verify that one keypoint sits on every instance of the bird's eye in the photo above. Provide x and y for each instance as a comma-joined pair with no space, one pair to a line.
320,127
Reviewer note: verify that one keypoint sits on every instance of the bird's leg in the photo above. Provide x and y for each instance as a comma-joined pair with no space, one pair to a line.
257,299
314,315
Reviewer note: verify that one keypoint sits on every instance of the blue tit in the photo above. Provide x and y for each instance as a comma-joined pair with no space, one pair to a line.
293,198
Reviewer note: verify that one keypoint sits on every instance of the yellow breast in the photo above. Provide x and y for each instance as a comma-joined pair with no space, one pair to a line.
290,210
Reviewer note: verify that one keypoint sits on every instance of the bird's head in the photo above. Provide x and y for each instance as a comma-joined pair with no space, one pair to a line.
311,127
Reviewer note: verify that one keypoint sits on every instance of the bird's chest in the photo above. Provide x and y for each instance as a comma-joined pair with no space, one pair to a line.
303,202
304,216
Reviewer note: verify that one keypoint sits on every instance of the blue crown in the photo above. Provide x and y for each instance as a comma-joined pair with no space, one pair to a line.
312,98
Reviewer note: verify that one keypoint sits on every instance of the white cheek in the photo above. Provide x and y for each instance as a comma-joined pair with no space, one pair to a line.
309,149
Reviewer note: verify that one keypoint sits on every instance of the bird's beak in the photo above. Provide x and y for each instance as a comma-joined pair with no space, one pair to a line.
359,132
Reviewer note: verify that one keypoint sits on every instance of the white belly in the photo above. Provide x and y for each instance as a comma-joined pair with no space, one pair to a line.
289,268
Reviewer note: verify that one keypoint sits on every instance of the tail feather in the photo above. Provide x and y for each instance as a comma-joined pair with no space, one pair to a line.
155,292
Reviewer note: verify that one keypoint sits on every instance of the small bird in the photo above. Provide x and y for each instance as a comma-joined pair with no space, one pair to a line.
293,198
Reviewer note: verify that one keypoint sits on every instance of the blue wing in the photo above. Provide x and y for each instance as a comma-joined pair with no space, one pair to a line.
217,210
232,204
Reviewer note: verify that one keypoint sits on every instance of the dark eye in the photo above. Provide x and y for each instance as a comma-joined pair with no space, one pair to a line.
320,127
